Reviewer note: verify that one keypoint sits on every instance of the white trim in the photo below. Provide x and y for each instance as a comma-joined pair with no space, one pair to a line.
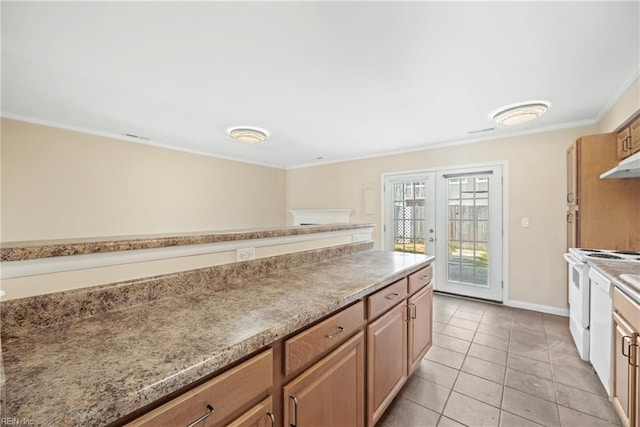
320,216
505,230
616,97
451,143
425,147
538,307
130,139
13,269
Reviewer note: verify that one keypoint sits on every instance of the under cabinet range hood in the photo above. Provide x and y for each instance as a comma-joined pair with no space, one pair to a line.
627,168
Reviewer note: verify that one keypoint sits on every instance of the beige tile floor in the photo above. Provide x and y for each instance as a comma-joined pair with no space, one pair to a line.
496,366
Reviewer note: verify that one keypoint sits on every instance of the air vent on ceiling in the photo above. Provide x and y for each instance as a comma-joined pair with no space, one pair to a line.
481,130
131,135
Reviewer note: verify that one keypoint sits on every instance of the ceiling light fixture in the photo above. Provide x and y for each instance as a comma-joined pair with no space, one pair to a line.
248,135
520,113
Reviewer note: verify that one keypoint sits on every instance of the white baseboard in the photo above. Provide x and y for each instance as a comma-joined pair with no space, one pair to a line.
537,307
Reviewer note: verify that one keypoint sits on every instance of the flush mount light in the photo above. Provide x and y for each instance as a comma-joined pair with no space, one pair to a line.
520,113
248,135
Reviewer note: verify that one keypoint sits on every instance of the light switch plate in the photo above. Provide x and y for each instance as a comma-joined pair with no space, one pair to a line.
524,222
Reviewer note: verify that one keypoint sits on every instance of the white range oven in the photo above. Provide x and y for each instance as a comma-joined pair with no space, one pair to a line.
590,306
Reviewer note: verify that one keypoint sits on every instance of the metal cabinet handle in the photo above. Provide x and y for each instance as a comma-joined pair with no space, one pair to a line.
570,218
426,277
392,295
570,198
204,417
295,411
272,418
627,143
635,353
413,310
629,347
337,332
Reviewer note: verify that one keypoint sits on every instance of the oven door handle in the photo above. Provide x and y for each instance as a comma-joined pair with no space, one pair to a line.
572,260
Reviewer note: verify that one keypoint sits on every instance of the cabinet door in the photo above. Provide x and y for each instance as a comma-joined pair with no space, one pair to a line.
624,143
623,372
572,228
260,415
572,174
635,395
331,392
386,360
635,135
420,326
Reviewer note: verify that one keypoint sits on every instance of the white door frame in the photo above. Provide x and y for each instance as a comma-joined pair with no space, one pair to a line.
430,206
505,210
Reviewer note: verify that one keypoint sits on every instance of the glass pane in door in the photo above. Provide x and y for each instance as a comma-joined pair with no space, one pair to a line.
409,217
468,231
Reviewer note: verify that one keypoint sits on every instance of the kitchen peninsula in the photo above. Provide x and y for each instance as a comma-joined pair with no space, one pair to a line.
162,336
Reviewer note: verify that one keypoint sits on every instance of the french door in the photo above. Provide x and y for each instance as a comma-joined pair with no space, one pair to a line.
410,213
469,229
456,215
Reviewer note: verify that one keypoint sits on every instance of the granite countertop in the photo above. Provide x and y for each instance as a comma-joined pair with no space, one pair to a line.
96,370
613,270
20,251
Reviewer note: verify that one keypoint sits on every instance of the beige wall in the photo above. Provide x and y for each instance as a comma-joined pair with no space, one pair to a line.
625,107
63,184
537,188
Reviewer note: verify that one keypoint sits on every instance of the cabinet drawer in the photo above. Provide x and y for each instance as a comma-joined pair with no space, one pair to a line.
326,335
220,397
386,298
626,308
420,278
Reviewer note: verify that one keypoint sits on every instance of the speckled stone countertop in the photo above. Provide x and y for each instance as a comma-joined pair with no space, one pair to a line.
19,251
93,371
613,270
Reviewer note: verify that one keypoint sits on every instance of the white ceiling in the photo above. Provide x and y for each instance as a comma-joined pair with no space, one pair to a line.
335,80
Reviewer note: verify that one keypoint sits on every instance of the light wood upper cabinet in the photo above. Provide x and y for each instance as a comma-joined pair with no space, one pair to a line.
635,136
629,139
572,174
331,392
624,143
601,213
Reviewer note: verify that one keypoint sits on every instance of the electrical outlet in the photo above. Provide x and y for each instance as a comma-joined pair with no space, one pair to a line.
245,254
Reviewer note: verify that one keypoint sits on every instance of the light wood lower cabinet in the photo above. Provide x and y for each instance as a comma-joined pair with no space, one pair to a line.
342,371
625,391
218,400
397,340
260,415
331,392
420,326
386,360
